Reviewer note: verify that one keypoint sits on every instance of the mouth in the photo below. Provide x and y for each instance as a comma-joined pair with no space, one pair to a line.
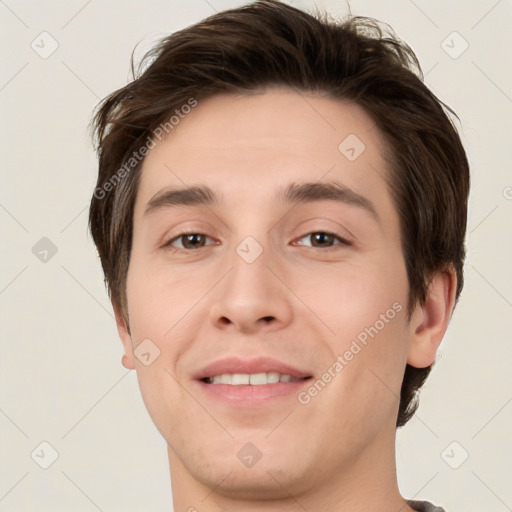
251,379
250,383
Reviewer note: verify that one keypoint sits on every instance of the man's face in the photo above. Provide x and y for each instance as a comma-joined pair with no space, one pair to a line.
314,289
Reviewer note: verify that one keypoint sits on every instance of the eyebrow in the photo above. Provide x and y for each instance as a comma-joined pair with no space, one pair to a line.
190,196
293,193
331,191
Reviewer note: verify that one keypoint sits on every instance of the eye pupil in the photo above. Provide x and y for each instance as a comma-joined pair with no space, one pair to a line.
190,240
323,238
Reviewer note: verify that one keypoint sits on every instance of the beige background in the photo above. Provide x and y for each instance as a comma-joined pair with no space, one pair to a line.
62,381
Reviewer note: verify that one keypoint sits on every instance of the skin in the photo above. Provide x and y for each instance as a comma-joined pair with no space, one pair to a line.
299,302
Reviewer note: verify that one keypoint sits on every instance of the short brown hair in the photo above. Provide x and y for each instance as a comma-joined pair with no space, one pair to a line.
269,43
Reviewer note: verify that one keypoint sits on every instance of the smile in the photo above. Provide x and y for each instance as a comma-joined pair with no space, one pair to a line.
252,379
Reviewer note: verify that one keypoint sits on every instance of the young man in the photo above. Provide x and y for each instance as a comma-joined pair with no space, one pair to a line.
280,214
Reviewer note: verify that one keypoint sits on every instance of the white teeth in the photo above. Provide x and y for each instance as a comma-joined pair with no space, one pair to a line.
272,377
258,378
254,379
222,379
238,379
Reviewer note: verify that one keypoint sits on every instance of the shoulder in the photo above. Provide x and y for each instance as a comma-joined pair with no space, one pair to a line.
424,506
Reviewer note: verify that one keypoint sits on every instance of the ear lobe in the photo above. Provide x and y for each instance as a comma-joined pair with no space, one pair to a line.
430,320
124,333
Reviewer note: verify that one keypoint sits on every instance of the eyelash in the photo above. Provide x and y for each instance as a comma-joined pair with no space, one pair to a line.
342,241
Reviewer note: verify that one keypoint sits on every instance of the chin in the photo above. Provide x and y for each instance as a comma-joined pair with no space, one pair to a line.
263,483
239,470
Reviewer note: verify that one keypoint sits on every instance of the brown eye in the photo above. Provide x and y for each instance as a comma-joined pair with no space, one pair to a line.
321,239
188,241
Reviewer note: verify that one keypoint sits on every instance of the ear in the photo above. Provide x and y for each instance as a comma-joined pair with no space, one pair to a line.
124,333
430,320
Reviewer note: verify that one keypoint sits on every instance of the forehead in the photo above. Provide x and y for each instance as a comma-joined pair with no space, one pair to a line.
263,141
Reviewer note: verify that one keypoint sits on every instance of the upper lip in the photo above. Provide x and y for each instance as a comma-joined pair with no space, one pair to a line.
256,365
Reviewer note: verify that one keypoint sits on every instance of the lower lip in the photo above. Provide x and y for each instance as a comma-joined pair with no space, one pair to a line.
245,395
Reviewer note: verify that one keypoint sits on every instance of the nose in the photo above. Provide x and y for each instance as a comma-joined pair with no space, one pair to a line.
252,297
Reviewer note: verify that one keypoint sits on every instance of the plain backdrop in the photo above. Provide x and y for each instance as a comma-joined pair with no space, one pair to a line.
62,383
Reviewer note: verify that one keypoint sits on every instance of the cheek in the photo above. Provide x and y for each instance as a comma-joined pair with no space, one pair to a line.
159,298
364,320
159,307
350,298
